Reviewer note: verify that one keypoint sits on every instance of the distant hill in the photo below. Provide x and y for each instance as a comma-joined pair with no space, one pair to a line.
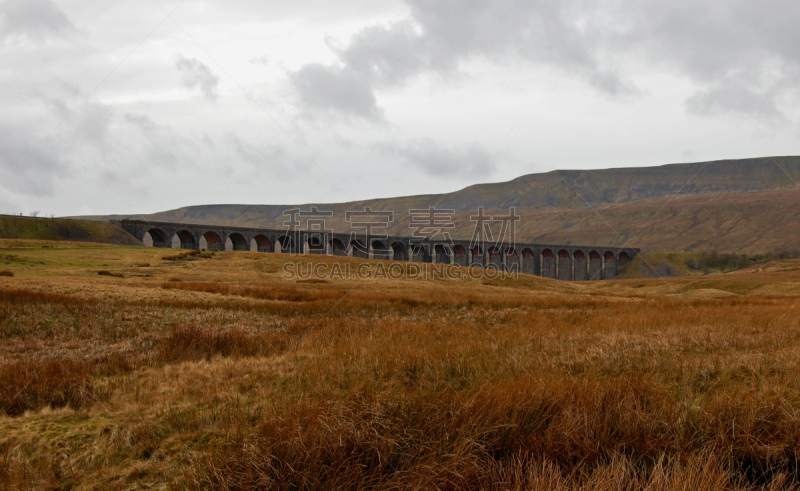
730,206
14,227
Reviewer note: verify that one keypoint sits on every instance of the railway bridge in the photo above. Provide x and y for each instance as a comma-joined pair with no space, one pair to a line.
567,263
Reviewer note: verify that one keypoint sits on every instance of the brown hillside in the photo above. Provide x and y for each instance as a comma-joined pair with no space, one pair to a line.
729,206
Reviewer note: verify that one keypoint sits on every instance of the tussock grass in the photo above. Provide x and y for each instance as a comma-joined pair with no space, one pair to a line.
579,430
30,385
193,343
6,272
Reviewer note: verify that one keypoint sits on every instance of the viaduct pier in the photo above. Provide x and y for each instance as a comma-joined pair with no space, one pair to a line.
567,263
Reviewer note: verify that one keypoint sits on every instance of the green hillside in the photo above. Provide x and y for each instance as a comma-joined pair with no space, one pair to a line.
14,227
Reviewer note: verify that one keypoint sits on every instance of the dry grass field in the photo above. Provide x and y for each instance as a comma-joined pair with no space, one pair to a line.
213,372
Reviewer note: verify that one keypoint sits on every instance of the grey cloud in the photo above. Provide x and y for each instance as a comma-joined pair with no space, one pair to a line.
30,169
197,74
441,161
730,96
326,88
386,56
737,52
441,35
35,20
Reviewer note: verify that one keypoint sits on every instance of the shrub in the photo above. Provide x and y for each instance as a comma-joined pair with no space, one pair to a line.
692,263
6,272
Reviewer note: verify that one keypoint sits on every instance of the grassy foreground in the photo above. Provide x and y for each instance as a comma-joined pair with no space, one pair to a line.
213,372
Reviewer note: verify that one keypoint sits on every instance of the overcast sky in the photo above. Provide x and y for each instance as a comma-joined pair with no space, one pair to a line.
142,106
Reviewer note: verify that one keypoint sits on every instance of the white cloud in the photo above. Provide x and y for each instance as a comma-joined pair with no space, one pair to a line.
512,85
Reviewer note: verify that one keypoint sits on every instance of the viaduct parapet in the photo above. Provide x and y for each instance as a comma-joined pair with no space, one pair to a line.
567,263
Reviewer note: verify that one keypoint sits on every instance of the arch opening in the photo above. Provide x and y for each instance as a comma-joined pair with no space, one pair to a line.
316,244
359,249
595,266
548,264
419,253
442,253
185,240
212,241
564,265
460,255
495,259
337,247
380,250
236,242
477,256
512,262
399,251
285,244
624,257
580,269
155,237
528,260
609,265
261,243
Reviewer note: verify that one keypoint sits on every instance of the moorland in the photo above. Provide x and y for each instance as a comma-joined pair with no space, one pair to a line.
125,367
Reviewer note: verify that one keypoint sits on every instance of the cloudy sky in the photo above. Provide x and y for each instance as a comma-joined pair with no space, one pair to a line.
141,106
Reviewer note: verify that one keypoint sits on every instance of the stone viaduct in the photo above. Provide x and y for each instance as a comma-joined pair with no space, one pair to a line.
567,263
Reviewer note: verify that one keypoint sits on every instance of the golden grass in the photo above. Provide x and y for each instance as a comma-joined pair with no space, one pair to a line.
236,379
27,384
